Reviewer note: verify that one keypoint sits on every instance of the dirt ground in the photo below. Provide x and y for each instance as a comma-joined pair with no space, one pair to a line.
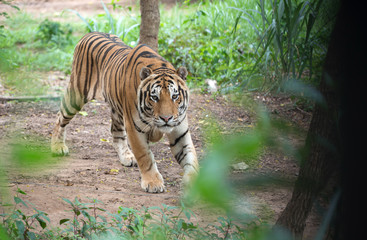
52,8
92,170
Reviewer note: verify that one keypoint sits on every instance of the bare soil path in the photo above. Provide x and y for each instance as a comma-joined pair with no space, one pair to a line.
92,170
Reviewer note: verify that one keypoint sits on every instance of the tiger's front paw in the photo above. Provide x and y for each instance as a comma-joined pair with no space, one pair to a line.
59,149
128,159
152,182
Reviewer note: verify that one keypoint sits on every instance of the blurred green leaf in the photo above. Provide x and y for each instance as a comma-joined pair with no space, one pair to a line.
212,184
83,19
18,200
21,192
28,155
42,223
20,227
83,113
3,234
62,221
303,90
109,17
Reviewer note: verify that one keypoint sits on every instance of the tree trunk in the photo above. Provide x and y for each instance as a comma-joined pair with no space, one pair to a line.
318,166
150,20
322,145
345,69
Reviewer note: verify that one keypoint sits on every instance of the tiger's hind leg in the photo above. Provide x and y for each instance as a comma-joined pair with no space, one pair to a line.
70,105
120,142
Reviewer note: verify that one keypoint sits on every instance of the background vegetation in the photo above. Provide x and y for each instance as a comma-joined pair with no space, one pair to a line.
242,44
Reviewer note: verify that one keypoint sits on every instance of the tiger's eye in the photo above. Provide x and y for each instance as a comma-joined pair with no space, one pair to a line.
174,96
154,98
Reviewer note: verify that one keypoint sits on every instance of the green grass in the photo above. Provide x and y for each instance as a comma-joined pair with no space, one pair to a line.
26,53
247,44
208,42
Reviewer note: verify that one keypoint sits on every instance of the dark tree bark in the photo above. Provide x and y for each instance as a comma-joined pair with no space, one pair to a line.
321,160
335,133
322,157
150,20
351,42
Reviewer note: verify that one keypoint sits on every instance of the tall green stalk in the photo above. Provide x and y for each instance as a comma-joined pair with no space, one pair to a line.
284,33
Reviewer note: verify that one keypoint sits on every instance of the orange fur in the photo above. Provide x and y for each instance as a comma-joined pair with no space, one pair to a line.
147,96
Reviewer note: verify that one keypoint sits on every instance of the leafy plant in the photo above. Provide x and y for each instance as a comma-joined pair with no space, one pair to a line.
286,42
9,3
91,224
50,31
5,14
19,225
107,23
165,222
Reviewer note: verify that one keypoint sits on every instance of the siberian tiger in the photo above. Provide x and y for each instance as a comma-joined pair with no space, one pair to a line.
147,96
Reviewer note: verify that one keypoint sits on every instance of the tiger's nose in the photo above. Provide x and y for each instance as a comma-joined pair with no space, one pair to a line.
166,118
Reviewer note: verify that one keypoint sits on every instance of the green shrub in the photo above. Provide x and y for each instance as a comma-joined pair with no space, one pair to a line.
125,27
251,45
90,221
50,31
18,225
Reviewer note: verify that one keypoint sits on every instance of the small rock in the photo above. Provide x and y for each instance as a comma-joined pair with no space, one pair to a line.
240,166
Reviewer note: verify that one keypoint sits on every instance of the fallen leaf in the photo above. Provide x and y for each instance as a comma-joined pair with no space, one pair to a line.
69,183
112,172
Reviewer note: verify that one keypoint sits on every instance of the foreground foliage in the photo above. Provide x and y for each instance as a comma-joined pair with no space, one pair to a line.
90,221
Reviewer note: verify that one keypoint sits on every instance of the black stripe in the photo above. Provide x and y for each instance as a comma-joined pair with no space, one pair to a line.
137,80
123,138
180,160
86,52
89,73
71,96
137,127
189,164
140,116
179,138
179,156
132,57
65,117
106,52
150,166
66,108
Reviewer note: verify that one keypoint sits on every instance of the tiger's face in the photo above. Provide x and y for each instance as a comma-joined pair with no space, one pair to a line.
163,98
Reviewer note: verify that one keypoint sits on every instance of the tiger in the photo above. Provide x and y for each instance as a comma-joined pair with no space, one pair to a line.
148,98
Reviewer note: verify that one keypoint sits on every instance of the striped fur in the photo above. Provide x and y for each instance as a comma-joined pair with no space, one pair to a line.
148,98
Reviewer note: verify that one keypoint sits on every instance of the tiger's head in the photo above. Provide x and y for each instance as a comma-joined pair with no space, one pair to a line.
163,98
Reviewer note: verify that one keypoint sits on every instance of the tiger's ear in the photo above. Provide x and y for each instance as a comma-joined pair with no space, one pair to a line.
145,72
182,72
